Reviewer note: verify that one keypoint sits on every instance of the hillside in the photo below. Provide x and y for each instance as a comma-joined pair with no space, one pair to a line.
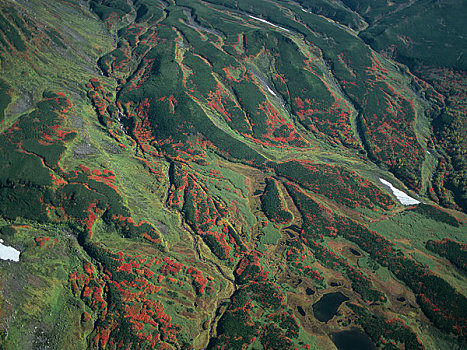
233,174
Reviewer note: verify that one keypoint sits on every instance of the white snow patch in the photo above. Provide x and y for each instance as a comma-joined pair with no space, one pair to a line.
402,197
272,92
428,152
8,253
267,22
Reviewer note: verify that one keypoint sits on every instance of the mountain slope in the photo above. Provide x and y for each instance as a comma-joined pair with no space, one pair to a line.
208,174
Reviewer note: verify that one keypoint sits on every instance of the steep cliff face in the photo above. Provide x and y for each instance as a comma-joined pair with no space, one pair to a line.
232,174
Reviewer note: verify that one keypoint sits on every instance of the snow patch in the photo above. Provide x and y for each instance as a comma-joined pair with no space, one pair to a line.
270,90
267,22
8,253
402,197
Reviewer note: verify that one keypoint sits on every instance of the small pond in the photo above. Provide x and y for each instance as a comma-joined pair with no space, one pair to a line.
353,339
326,307
355,252
301,311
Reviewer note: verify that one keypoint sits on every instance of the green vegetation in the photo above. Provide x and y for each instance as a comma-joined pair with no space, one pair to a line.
455,252
11,35
408,39
335,182
5,98
386,333
110,11
272,204
436,214
197,174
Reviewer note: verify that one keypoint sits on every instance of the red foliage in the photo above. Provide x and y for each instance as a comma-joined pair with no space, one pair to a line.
40,241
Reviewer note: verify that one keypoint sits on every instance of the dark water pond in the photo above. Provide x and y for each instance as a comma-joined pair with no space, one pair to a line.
294,228
301,311
326,307
355,252
353,339
309,291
